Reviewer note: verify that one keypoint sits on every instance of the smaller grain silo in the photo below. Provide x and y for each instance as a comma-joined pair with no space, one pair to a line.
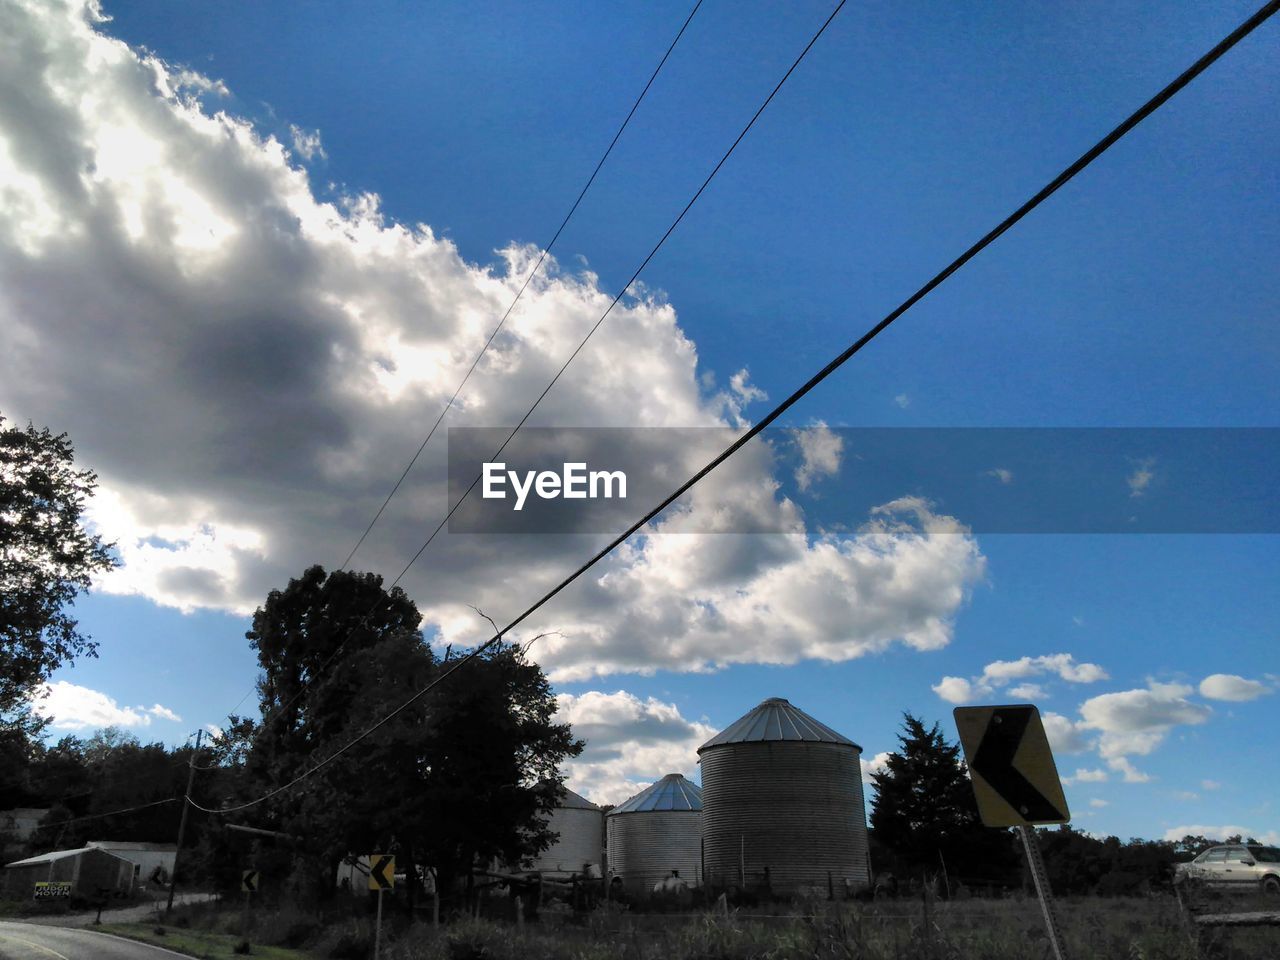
580,825
655,832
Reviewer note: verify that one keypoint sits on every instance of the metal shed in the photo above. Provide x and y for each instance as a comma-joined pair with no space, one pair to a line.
782,805
89,871
580,824
655,832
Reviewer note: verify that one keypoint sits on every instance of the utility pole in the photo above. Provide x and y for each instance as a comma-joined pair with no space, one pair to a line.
182,824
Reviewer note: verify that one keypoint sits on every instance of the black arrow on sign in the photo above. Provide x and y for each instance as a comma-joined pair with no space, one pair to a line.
994,761
250,881
379,871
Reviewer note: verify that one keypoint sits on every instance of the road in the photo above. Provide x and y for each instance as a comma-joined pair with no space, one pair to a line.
29,941
114,914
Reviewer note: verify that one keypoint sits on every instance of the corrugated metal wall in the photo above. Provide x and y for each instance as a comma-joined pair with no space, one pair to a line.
644,847
581,833
794,807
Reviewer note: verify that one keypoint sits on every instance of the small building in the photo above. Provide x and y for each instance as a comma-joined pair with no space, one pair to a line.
153,862
89,870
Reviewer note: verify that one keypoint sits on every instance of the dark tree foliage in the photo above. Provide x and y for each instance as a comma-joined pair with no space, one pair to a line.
46,560
924,816
106,787
458,776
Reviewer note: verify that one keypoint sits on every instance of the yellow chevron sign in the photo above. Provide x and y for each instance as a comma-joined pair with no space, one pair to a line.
382,871
1015,780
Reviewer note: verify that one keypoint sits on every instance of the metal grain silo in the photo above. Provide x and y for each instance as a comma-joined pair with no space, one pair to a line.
580,824
657,831
782,803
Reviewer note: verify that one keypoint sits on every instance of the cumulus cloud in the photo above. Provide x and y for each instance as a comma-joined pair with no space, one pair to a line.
820,451
1135,722
1229,686
1065,736
1083,775
1220,833
248,367
902,400
69,706
876,764
1001,673
1098,804
630,743
1000,473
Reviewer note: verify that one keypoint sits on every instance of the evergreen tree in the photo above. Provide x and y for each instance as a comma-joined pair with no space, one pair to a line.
925,816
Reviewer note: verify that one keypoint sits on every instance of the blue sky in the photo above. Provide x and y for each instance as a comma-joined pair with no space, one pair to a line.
1143,295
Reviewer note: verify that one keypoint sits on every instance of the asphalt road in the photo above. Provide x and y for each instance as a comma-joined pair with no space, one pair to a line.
29,941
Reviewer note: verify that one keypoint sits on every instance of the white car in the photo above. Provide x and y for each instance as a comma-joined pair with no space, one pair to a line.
1244,867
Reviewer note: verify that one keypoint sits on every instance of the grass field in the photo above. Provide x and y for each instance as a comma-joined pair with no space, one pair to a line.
205,944
1151,928
1123,929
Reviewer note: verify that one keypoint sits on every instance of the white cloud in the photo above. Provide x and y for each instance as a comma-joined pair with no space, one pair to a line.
630,743
1220,833
247,367
1086,776
69,706
1098,804
820,450
307,143
1135,722
1141,477
1210,785
1000,673
1125,767
876,764
954,690
164,713
1229,686
902,400
1001,474
1186,795
1064,735
1029,691
744,390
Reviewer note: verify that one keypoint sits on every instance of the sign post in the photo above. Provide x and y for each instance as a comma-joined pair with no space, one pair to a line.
249,886
1016,784
382,877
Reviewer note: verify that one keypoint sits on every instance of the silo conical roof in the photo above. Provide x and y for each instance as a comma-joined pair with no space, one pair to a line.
672,792
776,719
568,800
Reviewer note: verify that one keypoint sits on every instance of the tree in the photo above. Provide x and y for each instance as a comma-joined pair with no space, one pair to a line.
462,774
47,559
925,815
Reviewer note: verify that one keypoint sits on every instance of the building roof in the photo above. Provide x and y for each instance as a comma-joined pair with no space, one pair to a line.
672,792
143,845
572,801
776,719
61,855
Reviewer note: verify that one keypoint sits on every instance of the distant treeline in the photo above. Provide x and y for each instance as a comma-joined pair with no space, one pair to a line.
925,828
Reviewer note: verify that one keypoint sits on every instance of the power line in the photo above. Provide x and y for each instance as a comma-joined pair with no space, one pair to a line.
109,813
627,286
536,267
836,362
546,250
